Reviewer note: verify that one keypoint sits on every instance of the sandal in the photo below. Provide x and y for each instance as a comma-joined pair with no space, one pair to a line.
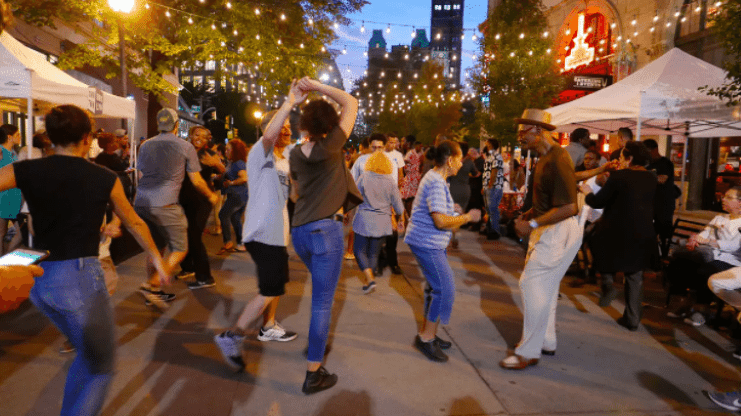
517,362
225,250
239,248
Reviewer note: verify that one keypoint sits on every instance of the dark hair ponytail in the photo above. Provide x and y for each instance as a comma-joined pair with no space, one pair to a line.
439,155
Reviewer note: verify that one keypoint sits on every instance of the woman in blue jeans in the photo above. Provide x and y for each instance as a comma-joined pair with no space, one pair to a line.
321,187
234,186
372,220
67,197
434,216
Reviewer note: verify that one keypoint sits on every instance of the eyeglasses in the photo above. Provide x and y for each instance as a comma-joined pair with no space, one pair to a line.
376,147
525,131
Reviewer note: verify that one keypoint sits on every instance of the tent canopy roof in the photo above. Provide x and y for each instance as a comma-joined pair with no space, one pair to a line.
25,73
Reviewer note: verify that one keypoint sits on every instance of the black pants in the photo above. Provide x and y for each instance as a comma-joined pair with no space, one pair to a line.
633,295
664,232
388,256
197,212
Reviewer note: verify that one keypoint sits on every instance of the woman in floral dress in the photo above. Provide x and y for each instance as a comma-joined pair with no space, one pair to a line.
410,183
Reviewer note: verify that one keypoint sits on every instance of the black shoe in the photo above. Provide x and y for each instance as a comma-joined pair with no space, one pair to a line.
548,352
396,270
606,299
443,344
430,349
200,285
318,380
624,323
492,235
377,272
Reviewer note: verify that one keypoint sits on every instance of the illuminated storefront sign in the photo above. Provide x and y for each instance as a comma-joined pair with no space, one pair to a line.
589,82
582,53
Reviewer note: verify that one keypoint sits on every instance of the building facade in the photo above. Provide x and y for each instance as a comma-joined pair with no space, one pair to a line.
446,30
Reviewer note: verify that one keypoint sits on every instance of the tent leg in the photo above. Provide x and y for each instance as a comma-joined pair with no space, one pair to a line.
29,129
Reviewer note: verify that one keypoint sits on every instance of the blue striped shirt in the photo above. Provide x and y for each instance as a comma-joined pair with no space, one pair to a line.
433,195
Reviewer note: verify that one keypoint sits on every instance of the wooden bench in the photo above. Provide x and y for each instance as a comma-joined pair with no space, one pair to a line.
682,230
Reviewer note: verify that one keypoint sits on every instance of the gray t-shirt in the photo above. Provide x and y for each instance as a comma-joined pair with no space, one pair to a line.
266,218
163,161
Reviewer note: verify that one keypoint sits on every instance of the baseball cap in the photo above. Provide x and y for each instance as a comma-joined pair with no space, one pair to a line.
166,119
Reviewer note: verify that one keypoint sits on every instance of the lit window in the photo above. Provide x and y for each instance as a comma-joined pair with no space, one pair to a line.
447,7
210,65
456,7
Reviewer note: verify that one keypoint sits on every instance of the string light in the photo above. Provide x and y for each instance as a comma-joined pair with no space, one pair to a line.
282,16
228,5
362,28
388,28
257,12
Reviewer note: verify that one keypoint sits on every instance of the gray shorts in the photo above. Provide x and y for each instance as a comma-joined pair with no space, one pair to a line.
168,221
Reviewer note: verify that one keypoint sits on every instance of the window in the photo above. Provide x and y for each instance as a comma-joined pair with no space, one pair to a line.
456,7
438,7
447,7
210,65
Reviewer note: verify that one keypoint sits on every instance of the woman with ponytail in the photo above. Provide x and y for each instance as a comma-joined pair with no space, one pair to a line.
434,216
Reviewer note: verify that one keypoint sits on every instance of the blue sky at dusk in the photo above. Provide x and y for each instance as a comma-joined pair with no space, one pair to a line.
415,13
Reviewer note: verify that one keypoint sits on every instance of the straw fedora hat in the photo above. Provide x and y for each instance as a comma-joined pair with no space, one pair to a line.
536,117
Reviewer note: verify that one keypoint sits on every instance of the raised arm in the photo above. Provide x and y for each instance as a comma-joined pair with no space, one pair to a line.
272,131
348,103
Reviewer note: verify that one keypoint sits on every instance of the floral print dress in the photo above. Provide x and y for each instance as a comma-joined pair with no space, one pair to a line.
412,176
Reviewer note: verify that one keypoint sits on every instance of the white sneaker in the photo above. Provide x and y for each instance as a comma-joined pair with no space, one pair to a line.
230,346
276,333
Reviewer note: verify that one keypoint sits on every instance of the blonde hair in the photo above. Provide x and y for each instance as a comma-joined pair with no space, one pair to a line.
378,163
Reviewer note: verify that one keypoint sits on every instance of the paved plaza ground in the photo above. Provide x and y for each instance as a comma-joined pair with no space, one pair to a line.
168,365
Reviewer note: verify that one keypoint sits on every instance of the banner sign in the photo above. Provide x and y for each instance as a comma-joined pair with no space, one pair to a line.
589,82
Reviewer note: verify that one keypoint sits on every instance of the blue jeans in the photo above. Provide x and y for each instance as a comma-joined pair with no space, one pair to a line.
320,246
232,211
72,293
366,250
493,199
440,289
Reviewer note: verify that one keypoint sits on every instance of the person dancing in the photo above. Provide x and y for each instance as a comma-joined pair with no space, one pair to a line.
323,186
434,216
68,196
266,231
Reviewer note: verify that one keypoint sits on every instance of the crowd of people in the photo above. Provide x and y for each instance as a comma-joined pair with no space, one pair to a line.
271,194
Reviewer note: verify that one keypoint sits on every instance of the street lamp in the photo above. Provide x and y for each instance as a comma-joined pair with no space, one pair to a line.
258,117
122,6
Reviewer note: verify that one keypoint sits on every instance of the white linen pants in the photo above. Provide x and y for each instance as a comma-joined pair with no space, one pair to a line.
725,285
551,250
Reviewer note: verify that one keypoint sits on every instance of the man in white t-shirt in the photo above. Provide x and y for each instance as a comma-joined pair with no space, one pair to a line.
388,255
377,144
265,232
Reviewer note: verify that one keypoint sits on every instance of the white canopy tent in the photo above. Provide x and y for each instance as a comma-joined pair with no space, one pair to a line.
28,80
662,98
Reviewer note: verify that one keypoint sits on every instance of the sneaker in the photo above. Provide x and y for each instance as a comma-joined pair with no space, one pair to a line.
696,319
430,349
276,333
737,353
729,401
67,347
369,288
154,297
318,380
183,275
230,346
200,285
349,256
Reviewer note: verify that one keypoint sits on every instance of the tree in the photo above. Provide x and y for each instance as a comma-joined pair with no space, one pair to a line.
515,69
725,27
275,41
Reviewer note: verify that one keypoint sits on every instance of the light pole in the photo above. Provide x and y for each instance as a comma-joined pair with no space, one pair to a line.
122,6
258,116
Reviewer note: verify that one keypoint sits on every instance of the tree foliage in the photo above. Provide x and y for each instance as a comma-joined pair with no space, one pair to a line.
274,40
725,26
515,69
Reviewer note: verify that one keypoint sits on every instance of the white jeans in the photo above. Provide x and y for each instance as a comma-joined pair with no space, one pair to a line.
725,285
551,250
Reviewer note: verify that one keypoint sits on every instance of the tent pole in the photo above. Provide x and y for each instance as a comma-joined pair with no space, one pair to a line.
640,109
29,128
684,164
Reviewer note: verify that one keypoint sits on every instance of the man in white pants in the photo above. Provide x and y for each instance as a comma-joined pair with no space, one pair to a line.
555,237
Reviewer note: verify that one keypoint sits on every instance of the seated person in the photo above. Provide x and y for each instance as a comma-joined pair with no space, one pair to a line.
713,250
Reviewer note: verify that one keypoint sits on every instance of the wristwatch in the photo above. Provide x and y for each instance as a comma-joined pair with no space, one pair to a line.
533,224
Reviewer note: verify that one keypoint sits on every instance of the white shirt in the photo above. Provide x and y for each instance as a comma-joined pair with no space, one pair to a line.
397,162
724,230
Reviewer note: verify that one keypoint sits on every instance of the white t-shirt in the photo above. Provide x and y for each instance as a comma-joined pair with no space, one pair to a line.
397,162
266,216
587,213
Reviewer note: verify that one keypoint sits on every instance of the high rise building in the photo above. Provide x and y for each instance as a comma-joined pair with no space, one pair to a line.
445,37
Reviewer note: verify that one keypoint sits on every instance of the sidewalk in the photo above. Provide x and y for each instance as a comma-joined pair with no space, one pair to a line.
168,365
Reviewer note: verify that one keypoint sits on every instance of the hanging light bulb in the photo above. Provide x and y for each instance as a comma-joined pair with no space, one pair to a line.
301,46
282,16
498,36
362,28
257,36
634,21
228,5
545,34
522,36
311,21
324,49
463,36
336,25
474,37
676,12
656,16
388,29
568,31
257,12
146,6
190,20
167,13
280,42
613,25
235,32
213,26
344,50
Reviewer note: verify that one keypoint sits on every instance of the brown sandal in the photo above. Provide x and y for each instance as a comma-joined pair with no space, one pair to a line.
225,250
517,362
